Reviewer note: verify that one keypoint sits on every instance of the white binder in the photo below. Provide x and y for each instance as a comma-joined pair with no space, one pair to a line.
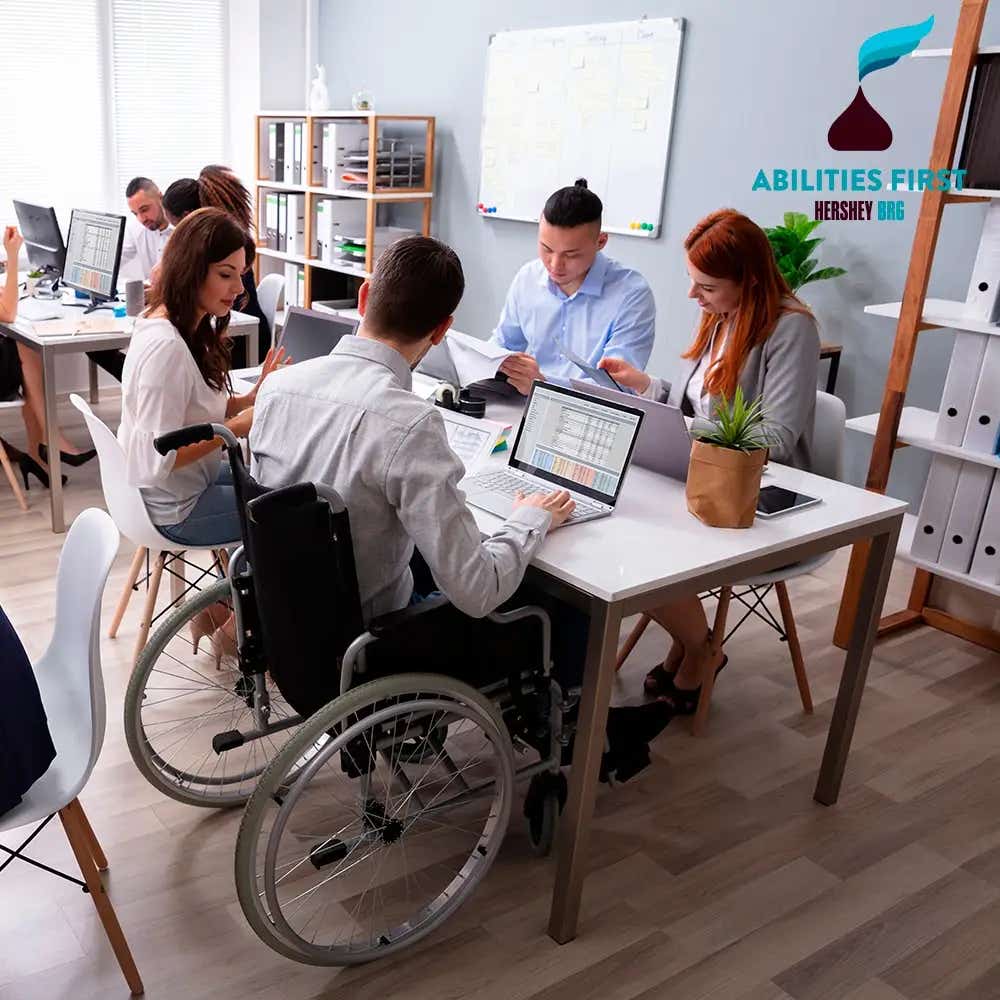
283,222
291,281
271,214
966,516
986,559
960,386
296,224
289,163
297,177
935,507
984,418
983,298
272,150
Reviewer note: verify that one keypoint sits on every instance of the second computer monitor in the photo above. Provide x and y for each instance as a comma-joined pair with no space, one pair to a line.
94,252
309,333
42,237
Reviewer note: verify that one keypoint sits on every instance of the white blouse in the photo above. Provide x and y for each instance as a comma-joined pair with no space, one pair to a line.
700,401
162,390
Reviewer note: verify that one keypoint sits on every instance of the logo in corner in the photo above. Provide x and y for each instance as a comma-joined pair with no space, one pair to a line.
860,126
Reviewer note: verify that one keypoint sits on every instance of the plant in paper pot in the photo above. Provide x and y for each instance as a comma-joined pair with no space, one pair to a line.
727,460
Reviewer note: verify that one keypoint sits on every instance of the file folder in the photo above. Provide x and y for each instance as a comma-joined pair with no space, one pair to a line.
983,298
272,151
966,517
984,418
289,161
935,507
282,226
278,169
271,212
291,285
297,177
295,225
986,559
960,386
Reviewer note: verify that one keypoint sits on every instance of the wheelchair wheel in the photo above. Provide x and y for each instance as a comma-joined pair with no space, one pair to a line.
368,847
543,802
178,701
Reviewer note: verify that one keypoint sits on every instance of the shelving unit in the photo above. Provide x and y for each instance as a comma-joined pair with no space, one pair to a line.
896,425
384,205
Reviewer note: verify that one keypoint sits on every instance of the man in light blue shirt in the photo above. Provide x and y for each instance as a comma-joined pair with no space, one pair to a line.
573,297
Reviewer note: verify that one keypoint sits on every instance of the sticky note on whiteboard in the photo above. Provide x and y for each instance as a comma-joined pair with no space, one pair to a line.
638,122
533,86
577,59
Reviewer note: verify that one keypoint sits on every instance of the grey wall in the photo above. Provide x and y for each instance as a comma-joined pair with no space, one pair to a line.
760,83
283,82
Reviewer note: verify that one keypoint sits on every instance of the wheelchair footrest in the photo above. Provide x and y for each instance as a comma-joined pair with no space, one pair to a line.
230,740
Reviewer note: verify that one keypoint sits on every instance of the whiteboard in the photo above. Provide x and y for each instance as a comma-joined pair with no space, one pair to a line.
594,101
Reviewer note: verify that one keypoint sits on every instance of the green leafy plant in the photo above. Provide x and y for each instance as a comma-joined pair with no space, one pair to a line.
738,424
792,244
36,274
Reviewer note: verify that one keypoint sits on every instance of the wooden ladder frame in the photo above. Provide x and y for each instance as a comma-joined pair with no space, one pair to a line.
917,612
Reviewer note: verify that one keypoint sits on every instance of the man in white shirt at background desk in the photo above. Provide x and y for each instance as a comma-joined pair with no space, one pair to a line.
146,233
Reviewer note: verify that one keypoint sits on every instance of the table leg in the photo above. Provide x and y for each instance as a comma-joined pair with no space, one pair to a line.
574,824
52,440
95,395
859,651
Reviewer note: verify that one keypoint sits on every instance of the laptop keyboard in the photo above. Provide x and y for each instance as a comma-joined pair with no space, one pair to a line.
508,485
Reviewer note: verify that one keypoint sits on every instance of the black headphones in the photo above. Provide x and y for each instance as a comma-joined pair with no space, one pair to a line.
467,402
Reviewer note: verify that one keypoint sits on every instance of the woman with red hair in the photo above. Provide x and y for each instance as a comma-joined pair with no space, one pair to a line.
753,333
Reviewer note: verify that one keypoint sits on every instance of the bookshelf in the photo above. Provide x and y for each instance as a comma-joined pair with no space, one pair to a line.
897,425
393,197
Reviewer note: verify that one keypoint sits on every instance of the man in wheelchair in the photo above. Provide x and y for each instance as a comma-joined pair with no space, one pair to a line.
349,421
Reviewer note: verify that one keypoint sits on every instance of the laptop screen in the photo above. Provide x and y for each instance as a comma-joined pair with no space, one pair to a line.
575,441
308,333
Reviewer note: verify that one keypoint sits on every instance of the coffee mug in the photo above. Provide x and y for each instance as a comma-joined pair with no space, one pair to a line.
135,297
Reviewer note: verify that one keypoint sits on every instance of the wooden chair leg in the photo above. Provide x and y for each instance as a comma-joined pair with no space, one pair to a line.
12,479
798,665
79,834
633,637
708,681
178,580
133,575
96,851
150,608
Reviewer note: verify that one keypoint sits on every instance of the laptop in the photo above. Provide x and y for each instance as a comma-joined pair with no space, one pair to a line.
664,444
568,440
306,334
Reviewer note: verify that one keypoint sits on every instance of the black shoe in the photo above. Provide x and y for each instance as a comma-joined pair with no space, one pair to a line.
14,454
685,700
630,730
80,458
29,467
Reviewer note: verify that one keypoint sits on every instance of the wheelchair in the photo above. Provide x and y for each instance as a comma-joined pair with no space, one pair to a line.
377,762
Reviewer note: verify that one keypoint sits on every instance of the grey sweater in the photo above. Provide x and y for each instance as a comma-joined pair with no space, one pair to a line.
782,370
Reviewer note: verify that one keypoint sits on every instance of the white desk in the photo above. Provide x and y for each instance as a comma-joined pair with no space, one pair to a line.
650,551
50,347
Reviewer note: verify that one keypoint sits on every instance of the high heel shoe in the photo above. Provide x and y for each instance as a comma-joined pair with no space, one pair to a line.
206,622
70,458
684,701
223,644
29,467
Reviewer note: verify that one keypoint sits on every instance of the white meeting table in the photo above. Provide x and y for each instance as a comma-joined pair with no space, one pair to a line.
49,347
651,551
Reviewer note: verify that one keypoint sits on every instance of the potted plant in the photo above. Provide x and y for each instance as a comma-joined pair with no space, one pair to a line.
792,244
727,460
34,276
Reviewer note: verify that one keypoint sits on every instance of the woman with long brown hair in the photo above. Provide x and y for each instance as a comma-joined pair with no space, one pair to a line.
753,333
176,373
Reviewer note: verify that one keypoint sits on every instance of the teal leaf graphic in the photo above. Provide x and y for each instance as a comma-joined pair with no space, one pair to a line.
888,47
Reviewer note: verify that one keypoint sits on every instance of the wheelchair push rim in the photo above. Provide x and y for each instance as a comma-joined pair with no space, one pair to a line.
368,847
177,701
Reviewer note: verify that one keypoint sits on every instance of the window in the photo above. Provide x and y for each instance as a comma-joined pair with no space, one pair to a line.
53,113
98,91
169,92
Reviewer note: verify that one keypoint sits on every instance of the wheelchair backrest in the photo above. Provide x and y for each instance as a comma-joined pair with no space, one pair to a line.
305,583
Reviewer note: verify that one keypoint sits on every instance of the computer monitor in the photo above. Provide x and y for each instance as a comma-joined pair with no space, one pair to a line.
93,254
308,333
42,238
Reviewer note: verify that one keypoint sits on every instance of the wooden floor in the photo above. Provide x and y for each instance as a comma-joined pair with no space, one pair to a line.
715,875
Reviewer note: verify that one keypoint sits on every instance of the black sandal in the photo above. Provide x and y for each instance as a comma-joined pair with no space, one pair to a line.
685,700
658,681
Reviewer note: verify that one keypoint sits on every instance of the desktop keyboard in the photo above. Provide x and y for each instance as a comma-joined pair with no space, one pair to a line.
507,485
33,309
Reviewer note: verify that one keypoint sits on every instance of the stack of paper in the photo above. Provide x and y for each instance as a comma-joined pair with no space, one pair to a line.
475,359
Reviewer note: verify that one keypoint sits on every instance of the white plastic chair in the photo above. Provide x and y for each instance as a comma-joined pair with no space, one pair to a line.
829,430
268,294
126,507
5,458
72,691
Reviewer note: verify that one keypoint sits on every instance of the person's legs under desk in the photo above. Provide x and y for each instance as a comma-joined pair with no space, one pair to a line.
34,403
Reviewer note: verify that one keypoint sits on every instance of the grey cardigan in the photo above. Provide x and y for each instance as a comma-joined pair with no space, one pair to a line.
783,371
